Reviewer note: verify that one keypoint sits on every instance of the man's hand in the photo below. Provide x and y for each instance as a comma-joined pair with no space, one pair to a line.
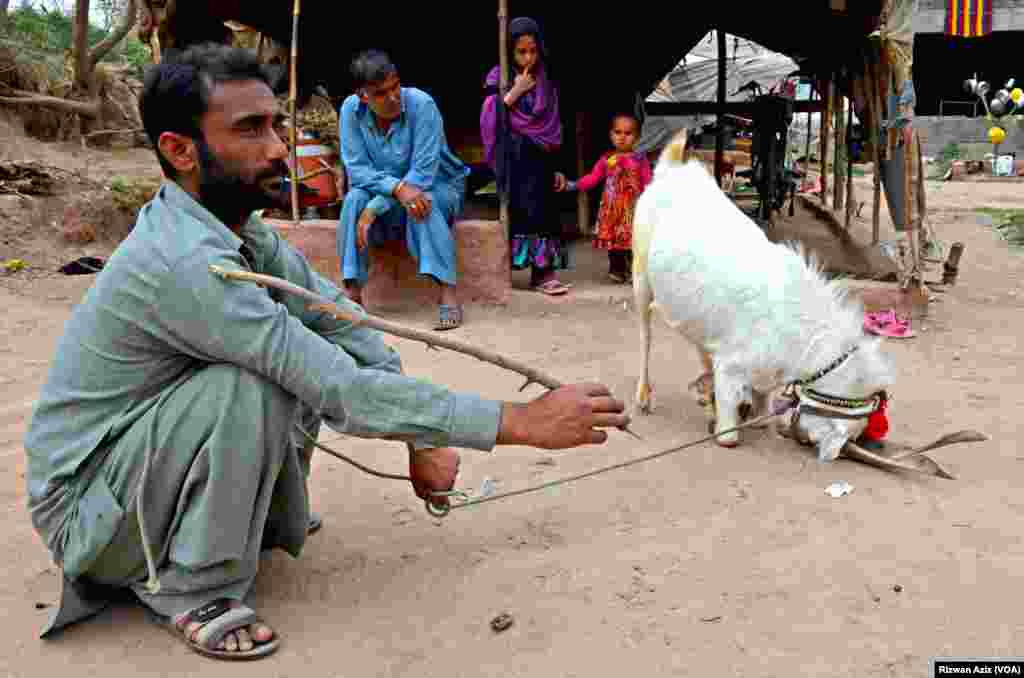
560,182
433,471
415,201
366,219
567,417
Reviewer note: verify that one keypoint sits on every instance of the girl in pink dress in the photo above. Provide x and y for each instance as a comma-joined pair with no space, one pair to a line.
625,173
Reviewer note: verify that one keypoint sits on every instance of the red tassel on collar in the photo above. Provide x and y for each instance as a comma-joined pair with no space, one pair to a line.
878,423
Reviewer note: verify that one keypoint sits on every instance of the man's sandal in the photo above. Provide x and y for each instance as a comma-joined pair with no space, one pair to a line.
216,620
450,317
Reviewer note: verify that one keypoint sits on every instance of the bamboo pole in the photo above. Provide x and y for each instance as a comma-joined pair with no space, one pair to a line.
825,132
839,114
293,96
720,137
849,166
807,149
500,103
877,150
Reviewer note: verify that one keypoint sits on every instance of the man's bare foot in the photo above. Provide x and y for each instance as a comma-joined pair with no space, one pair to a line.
239,640
448,295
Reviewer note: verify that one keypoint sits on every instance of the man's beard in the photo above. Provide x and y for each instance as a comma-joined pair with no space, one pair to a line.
227,194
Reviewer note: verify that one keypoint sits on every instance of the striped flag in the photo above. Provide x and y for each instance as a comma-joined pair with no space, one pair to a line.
968,18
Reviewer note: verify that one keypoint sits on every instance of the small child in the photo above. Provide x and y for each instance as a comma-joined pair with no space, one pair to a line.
626,173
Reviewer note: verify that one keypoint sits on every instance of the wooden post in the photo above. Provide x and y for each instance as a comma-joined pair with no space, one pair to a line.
952,265
500,103
875,113
720,138
849,166
582,199
807,150
825,132
837,170
293,96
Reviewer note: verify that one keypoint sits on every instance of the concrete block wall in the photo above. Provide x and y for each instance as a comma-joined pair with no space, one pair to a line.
936,132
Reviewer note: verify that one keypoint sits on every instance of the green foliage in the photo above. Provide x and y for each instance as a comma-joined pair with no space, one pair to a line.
944,160
52,30
1009,223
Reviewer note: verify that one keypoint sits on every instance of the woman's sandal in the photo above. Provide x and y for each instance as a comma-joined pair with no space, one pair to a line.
450,317
552,288
888,324
216,620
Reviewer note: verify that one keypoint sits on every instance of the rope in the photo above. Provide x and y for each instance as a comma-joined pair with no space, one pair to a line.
440,511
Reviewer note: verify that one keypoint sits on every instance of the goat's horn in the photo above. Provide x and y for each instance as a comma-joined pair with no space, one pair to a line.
919,463
949,439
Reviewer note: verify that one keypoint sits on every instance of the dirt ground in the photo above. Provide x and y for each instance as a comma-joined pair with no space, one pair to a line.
712,562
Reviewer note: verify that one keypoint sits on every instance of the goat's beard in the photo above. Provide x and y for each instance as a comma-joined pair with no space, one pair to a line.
227,193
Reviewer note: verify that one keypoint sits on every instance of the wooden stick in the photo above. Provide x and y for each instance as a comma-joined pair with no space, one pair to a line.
533,375
293,94
500,103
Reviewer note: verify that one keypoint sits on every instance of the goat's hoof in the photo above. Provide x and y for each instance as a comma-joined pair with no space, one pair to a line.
642,402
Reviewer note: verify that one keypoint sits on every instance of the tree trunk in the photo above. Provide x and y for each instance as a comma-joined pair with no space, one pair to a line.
110,42
80,41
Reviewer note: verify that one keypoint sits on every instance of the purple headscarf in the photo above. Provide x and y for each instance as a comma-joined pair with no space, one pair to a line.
535,115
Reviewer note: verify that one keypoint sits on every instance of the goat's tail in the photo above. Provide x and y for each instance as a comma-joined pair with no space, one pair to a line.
675,152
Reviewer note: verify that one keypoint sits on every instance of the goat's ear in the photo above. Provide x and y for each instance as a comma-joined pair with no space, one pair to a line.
830,446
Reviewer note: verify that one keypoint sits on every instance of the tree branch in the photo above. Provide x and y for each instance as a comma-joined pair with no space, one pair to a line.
429,338
319,303
113,38
87,109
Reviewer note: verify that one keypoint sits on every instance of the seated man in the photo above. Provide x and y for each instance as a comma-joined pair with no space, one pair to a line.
169,441
402,176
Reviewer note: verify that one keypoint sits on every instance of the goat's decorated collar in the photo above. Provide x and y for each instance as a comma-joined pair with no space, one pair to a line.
828,369
849,406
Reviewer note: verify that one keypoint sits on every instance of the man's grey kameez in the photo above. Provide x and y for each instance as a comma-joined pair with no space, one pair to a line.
208,378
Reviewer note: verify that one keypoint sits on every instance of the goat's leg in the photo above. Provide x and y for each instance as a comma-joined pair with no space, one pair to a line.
729,391
643,297
703,387
759,408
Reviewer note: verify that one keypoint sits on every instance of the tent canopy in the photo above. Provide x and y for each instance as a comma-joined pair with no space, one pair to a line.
696,79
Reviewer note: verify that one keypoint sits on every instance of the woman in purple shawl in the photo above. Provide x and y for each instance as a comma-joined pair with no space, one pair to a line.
520,142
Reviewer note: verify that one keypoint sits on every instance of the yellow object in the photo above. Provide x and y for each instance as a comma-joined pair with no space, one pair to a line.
1017,94
14,265
996,135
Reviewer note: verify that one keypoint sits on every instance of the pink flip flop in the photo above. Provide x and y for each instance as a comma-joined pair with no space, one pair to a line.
888,324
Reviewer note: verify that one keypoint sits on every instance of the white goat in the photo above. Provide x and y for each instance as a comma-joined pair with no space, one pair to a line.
761,314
